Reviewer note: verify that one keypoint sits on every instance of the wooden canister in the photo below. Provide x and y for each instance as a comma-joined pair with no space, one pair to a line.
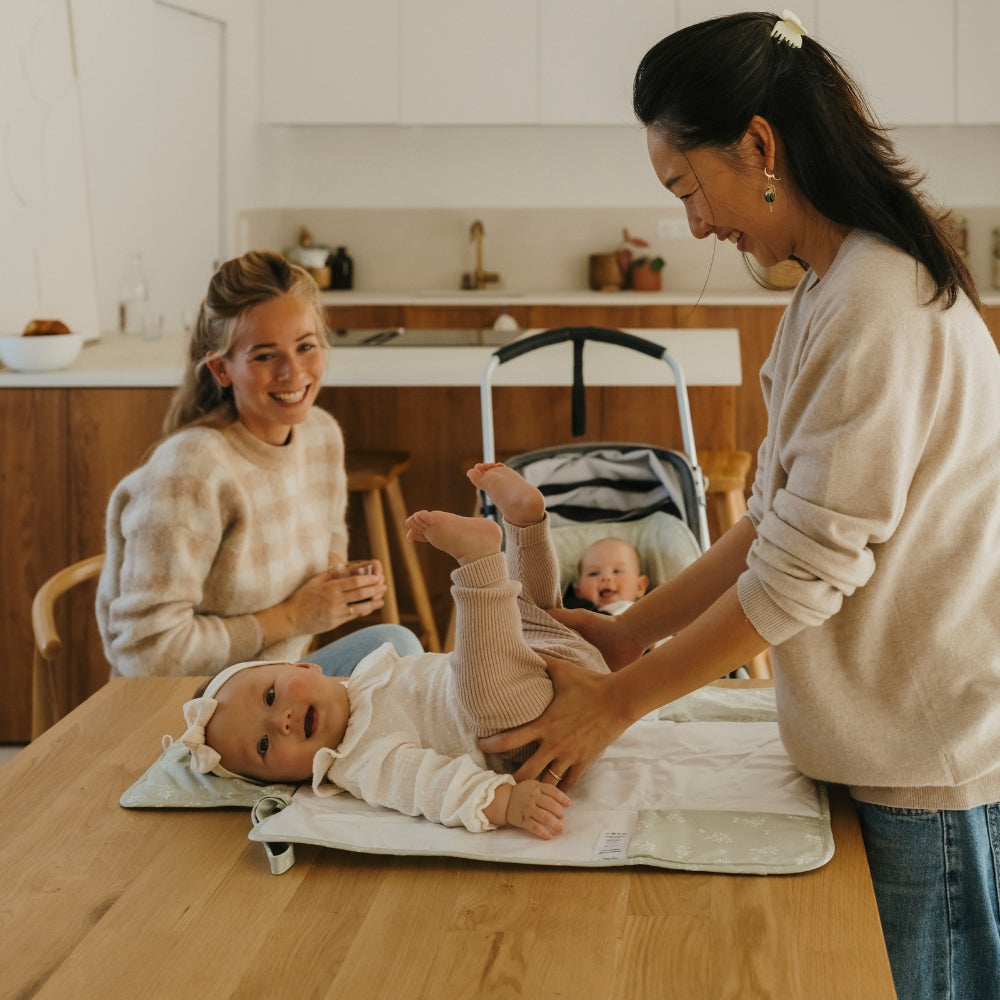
605,274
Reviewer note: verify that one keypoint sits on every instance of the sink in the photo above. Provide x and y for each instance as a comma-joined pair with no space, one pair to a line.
448,293
401,337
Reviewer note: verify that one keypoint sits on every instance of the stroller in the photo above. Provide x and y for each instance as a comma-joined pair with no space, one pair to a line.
653,498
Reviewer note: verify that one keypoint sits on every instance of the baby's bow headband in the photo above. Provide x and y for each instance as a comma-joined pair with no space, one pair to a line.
197,712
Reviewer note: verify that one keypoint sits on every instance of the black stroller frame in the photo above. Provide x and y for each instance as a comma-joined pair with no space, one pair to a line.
691,479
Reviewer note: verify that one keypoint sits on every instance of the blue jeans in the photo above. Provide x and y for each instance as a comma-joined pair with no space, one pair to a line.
937,883
340,657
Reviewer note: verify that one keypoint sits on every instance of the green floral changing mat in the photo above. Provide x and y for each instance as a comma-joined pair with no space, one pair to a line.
703,794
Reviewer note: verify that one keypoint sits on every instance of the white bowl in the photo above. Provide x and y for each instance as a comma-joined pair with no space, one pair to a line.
40,354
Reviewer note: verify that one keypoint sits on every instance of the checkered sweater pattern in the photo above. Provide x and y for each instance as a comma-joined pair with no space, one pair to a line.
215,526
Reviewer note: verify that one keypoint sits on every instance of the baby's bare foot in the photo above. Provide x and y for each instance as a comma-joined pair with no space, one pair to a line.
465,539
518,501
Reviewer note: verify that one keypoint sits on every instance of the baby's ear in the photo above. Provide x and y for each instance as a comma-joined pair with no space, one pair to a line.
643,584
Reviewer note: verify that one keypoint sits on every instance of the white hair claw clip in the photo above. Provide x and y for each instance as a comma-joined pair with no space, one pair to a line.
789,30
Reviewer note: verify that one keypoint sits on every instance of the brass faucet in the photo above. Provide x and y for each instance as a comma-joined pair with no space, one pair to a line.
478,279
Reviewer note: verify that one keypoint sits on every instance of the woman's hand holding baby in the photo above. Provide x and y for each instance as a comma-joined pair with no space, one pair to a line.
529,805
607,632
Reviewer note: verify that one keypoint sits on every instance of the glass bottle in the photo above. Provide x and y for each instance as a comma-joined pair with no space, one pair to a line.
341,269
995,259
132,295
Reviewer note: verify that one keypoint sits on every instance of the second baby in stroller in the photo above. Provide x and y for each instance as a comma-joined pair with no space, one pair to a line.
609,578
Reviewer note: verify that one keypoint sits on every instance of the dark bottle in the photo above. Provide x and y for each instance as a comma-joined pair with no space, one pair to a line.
341,269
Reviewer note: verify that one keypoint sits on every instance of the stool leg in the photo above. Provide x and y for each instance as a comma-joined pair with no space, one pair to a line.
735,506
379,541
397,511
760,665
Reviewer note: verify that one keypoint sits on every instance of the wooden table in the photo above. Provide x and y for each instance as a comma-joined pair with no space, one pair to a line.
103,902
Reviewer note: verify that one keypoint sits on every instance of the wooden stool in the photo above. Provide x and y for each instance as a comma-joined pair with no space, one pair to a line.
372,474
726,472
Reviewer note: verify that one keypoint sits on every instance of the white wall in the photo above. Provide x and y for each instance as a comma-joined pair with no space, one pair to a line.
504,166
387,167
114,45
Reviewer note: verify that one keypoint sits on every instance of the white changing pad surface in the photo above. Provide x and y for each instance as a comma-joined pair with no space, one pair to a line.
695,795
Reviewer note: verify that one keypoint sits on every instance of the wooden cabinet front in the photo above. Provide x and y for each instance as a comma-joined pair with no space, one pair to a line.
64,450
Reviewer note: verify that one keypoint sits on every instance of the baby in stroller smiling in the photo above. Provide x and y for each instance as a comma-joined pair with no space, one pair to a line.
402,732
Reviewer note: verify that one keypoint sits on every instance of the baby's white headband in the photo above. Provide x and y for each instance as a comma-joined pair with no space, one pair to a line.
197,712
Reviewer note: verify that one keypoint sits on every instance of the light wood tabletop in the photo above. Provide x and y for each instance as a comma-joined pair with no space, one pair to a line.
101,901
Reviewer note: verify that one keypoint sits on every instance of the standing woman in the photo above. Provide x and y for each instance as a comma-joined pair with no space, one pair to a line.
870,556
223,546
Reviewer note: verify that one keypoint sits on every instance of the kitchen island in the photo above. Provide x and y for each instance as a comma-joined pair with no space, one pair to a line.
70,436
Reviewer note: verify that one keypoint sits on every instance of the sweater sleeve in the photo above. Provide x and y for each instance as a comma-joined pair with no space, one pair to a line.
452,791
852,397
164,533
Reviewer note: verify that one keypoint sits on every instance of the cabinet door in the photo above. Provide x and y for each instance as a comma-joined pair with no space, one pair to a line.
467,63
903,58
588,54
188,111
329,61
978,70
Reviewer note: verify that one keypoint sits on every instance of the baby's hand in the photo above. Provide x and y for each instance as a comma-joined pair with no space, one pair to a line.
537,808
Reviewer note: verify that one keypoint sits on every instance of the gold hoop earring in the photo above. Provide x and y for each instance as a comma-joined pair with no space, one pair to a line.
770,193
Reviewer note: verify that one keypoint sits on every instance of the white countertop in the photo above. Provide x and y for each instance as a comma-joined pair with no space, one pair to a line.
571,297
706,356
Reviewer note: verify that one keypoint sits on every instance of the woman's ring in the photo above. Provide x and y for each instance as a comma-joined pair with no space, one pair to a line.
558,777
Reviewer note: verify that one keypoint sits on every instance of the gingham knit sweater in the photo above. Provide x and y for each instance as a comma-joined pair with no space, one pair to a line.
216,526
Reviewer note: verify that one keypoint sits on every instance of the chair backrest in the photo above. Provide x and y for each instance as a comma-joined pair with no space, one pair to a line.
50,691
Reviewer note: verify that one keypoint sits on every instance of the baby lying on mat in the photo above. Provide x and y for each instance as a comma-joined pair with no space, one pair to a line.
401,732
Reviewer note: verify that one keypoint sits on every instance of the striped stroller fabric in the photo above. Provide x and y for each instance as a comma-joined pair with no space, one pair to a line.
604,483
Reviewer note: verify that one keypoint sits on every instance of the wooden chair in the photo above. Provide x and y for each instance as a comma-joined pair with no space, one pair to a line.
375,475
50,690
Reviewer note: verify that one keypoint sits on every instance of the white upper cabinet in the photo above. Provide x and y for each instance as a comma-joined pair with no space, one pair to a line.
588,54
329,61
468,63
902,54
571,62
977,100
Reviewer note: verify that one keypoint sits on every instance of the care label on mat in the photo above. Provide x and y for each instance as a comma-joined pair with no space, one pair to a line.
612,845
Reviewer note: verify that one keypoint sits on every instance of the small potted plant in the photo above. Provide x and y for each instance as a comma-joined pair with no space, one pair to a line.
646,274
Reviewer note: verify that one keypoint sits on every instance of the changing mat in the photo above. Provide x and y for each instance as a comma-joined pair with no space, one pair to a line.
703,785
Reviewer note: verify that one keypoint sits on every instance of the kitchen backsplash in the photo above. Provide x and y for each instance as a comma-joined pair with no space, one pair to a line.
532,249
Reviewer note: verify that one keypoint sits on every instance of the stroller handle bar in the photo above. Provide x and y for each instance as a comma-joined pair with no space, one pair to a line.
579,335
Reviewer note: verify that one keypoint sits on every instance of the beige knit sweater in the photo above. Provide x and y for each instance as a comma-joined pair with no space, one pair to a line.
216,526
876,569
